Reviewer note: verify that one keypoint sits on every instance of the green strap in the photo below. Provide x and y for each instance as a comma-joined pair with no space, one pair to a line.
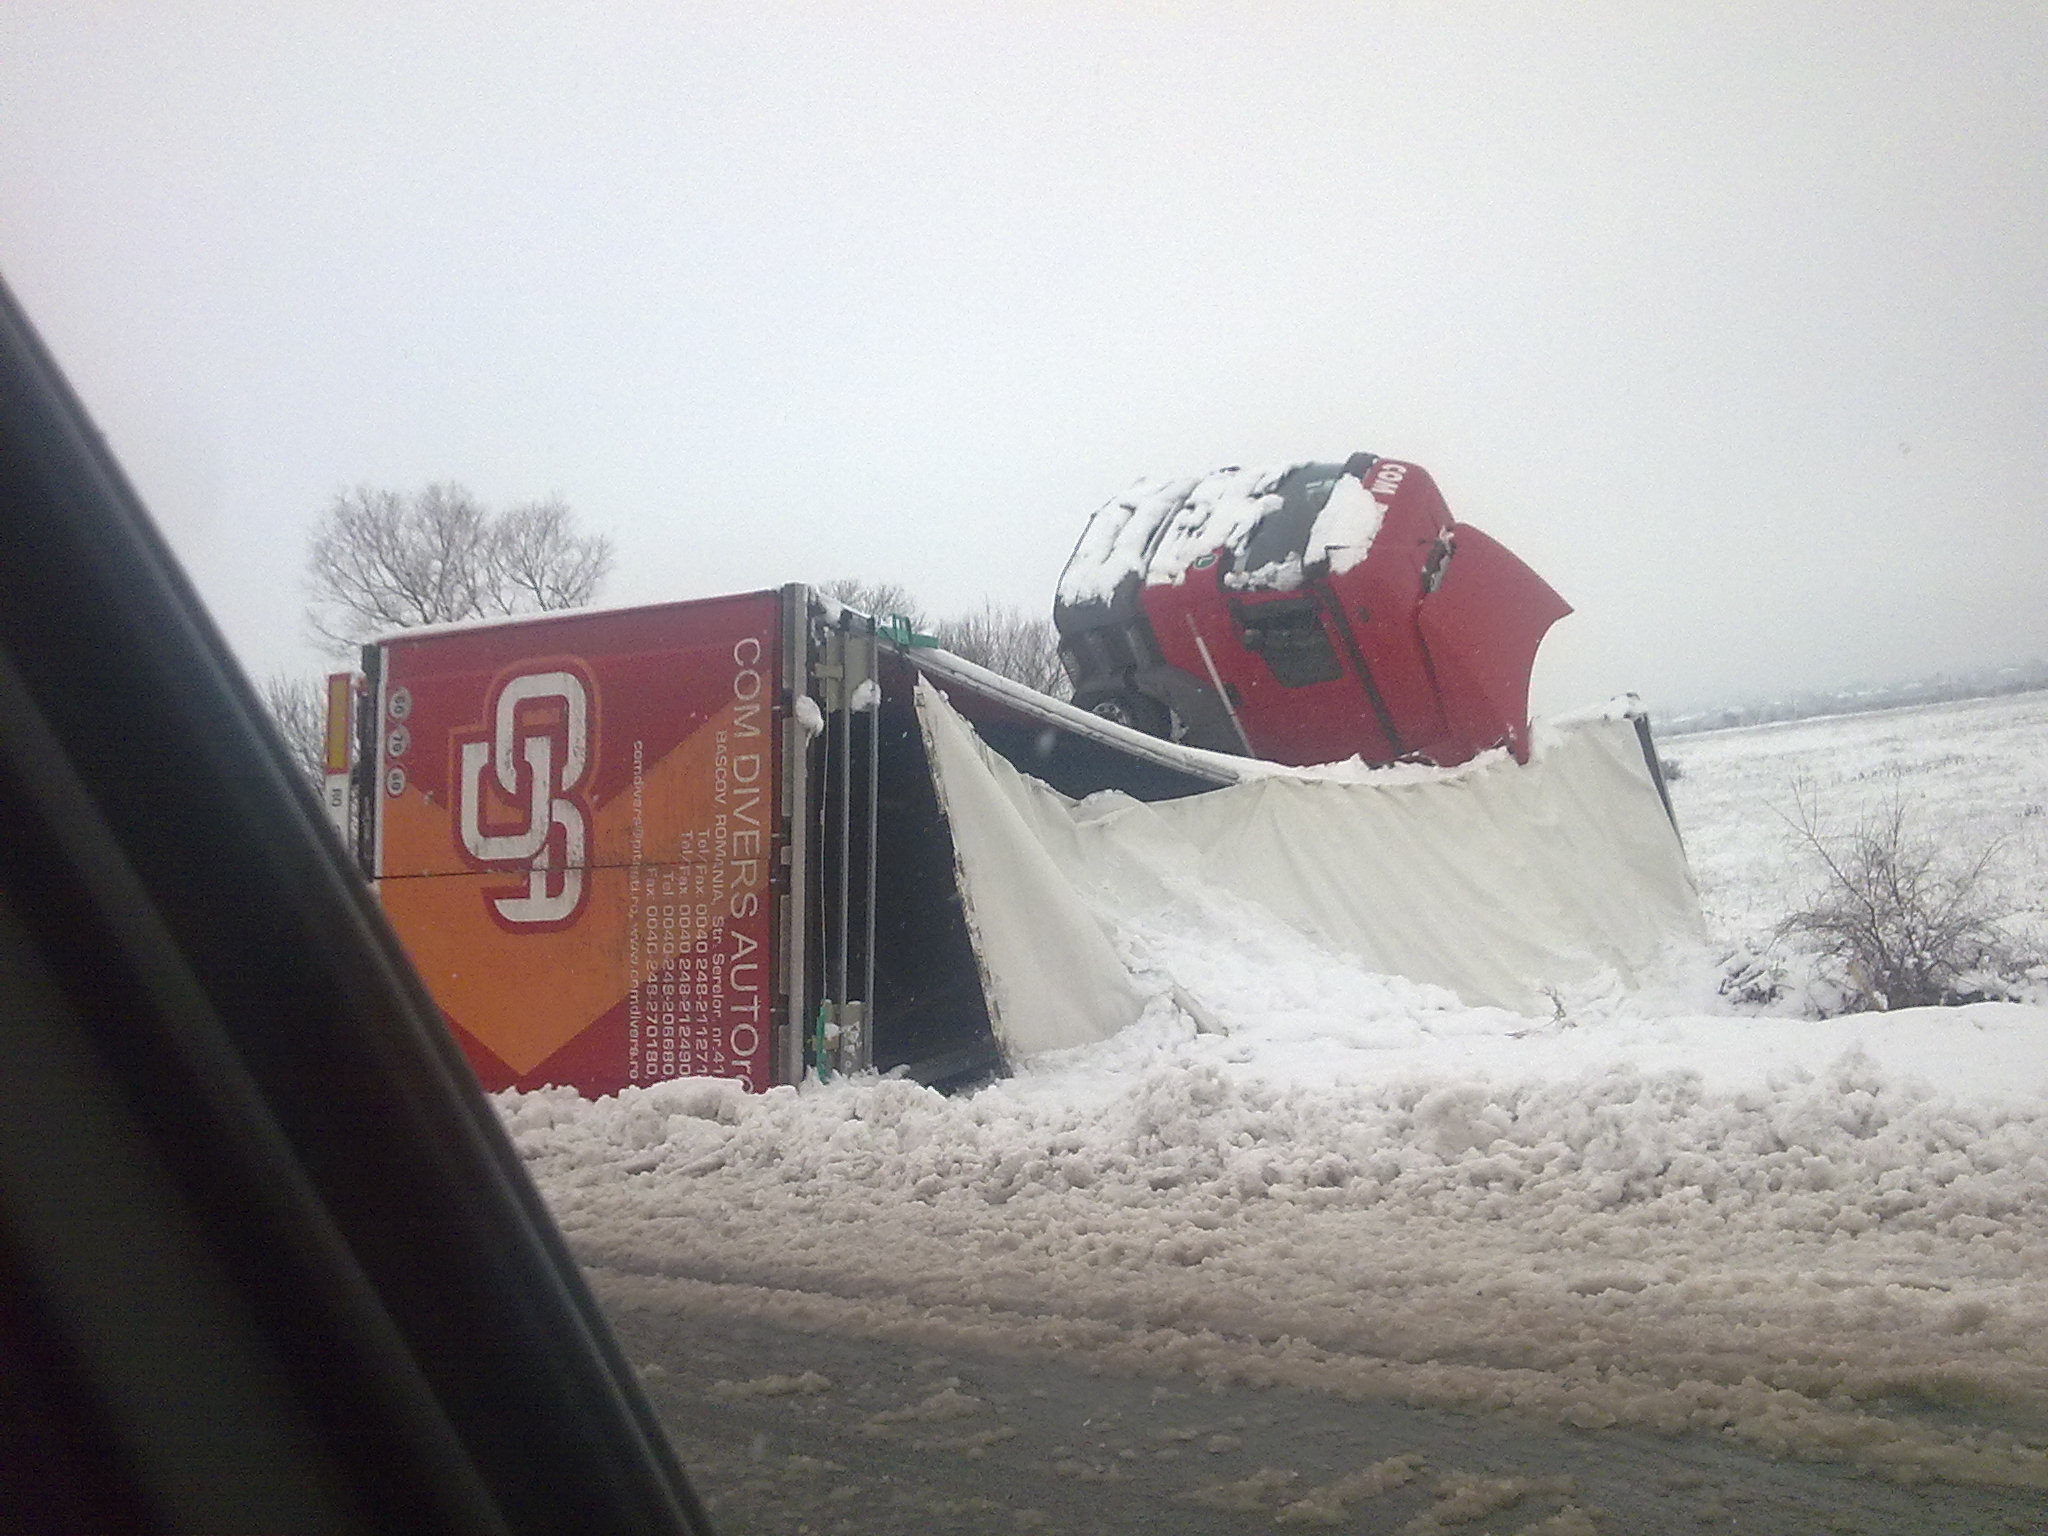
820,1053
896,629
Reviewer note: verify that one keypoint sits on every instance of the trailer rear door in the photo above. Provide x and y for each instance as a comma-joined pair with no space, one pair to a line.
578,830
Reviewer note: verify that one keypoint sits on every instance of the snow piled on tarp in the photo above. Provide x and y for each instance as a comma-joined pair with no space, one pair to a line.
1501,882
950,672
1349,1183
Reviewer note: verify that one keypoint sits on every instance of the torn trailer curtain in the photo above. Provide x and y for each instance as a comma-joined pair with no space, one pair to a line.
1497,881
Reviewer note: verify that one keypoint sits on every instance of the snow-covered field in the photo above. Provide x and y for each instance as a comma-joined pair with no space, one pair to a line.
1968,774
1644,1209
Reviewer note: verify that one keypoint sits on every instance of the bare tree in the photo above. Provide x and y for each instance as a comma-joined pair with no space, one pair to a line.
381,561
878,599
1009,641
543,562
1004,639
298,708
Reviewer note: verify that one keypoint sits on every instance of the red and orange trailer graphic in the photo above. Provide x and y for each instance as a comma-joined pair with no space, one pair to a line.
577,825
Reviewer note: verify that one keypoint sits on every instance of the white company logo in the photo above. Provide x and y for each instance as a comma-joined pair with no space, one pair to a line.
538,753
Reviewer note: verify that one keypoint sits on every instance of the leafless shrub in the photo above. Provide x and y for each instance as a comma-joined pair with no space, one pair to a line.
1752,978
1908,922
380,560
298,708
1009,641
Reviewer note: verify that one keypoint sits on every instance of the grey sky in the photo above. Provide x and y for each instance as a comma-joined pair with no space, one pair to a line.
1731,319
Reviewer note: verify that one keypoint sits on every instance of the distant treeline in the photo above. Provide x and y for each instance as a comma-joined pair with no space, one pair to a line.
1981,683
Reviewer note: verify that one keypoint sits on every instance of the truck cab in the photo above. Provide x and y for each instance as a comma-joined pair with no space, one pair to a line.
1304,614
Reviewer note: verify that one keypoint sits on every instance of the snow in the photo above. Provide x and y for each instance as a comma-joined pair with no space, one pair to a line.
1645,1209
1283,575
1347,525
809,718
1158,528
1970,773
1117,540
947,670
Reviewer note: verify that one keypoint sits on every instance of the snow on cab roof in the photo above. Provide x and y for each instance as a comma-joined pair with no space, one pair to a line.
1159,527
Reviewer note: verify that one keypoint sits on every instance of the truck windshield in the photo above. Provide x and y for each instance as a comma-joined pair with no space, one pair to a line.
1282,534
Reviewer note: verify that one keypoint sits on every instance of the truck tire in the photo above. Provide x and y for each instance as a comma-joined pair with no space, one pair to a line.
1141,712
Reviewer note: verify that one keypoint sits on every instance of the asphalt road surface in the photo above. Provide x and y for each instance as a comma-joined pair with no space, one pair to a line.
788,1432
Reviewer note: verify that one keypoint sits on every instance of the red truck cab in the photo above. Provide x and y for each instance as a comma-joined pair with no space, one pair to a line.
1304,614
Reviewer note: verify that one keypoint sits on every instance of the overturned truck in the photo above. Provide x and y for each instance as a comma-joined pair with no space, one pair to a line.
1304,614
762,837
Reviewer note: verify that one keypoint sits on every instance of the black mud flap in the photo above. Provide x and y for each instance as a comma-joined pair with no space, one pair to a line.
1654,763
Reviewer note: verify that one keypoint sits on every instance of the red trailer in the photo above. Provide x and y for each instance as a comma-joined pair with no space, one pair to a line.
692,839
1304,614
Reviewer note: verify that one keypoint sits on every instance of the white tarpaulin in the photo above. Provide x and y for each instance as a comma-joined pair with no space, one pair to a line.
1495,880
1048,971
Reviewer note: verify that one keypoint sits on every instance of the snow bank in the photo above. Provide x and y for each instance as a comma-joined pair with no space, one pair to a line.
1827,1239
1780,1253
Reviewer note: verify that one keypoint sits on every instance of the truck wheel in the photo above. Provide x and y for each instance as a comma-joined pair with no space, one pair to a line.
1139,711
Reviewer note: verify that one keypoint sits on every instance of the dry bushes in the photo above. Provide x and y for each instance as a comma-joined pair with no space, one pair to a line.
1903,920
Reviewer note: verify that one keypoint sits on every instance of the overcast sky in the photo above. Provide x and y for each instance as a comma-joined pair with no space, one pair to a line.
1731,319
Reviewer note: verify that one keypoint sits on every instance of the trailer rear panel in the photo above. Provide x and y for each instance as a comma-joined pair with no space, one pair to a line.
577,830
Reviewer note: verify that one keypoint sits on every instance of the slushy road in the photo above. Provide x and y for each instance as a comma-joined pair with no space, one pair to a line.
790,1432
